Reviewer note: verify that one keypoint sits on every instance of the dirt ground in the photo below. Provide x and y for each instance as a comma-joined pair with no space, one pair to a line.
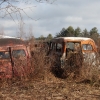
49,88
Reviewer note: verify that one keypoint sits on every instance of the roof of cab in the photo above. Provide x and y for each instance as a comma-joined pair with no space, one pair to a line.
11,42
65,39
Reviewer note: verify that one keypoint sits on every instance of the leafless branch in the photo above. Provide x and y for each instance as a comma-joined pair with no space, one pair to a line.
2,2
10,9
10,15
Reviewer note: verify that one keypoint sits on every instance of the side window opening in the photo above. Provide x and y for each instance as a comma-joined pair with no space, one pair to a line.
51,46
87,47
4,55
18,53
58,47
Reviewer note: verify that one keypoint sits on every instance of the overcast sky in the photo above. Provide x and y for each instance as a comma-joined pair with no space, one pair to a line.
51,18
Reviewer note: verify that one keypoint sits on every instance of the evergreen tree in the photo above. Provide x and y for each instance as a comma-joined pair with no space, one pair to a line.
85,33
70,30
77,32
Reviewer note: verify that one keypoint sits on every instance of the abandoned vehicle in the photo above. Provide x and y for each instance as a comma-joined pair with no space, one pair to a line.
14,58
72,51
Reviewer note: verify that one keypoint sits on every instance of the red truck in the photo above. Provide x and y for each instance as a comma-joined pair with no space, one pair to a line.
14,58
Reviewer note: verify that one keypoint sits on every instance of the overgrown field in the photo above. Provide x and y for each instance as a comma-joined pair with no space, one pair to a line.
49,88
45,83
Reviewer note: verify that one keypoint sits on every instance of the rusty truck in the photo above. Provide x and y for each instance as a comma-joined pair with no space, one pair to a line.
73,51
14,57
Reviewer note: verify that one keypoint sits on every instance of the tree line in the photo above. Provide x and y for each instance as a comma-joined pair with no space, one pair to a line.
71,32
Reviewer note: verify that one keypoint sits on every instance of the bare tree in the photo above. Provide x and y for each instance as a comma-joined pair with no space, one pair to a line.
21,32
10,7
25,31
30,33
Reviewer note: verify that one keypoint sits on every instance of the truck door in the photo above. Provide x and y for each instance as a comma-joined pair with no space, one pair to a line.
20,62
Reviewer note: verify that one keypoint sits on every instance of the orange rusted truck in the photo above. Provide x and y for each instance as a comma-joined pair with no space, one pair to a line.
14,57
71,50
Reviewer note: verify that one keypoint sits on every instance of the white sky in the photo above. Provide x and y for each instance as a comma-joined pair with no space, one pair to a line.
51,18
